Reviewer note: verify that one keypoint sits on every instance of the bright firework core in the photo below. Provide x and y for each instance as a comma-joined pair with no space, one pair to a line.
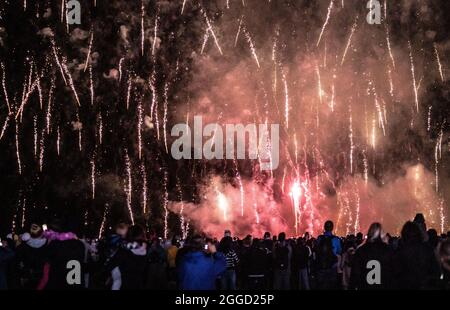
86,113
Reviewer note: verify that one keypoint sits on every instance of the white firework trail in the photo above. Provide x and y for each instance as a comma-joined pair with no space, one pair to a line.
205,40
213,34
252,46
238,31
49,106
35,135
429,118
352,145
103,224
144,188
24,205
120,68
441,214
183,6
437,157
128,186
91,85
366,168
58,140
93,176
391,83
71,83
165,204
88,57
42,150
55,53
255,204
182,219
139,128
319,84
100,128
129,92
19,164
357,225
166,108
436,52
286,100
155,34
349,40
241,187
388,43
330,8
333,95
142,27
5,125
4,87
416,96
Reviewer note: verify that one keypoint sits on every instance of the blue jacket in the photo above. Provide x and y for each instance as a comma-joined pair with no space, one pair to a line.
198,271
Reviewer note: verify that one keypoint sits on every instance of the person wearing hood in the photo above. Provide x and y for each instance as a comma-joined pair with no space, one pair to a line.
129,265
30,257
199,268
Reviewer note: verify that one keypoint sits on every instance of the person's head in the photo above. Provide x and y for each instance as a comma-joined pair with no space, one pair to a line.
36,231
197,243
247,240
281,236
375,233
175,241
256,243
226,244
419,218
227,233
328,226
122,229
411,233
307,235
444,251
267,235
136,234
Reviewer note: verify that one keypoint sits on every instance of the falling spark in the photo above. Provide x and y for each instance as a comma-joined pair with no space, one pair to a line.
374,133
155,35
166,103
5,125
120,68
352,145
286,101
252,46
128,186
91,85
165,203
391,83
139,128
211,30
238,31
100,128
24,204
93,176
437,157
72,85
49,107
319,85
88,57
182,8
142,27
295,193
4,87
35,135
349,40
330,7
333,96
129,92
416,96
439,62
205,40
58,141
42,149
441,214
366,168
55,53
19,164
357,212
222,204
388,42
102,225
144,188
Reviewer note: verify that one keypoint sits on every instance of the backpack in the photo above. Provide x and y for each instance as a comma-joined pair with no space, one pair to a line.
281,257
324,253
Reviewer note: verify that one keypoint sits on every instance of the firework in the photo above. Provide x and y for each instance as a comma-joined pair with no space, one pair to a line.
42,149
286,101
140,121
128,186
436,52
166,104
19,164
211,30
58,141
93,176
349,40
5,126
5,92
238,31
416,96
165,204
142,27
103,223
330,8
49,106
35,135
295,194
144,188
88,56
252,46
155,35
